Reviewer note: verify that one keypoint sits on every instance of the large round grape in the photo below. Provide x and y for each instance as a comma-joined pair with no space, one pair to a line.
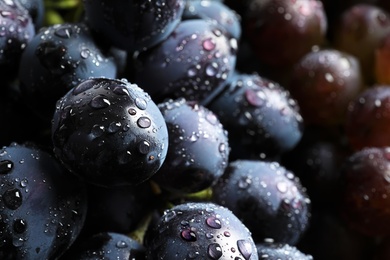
133,25
109,132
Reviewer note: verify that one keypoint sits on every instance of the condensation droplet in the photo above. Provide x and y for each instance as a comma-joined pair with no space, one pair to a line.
282,187
114,127
208,45
255,98
6,166
144,147
144,122
245,248
188,235
12,198
20,226
97,131
140,103
214,251
132,111
99,102
214,222
121,244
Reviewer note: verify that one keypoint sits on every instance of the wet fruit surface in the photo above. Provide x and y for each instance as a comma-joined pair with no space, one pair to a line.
260,115
59,58
368,118
43,207
133,25
324,82
365,191
193,62
267,198
201,231
198,147
110,132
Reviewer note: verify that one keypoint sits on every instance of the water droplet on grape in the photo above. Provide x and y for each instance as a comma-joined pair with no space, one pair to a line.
20,226
245,248
214,222
214,251
209,44
144,147
188,235
144,122
121,90
255,98
121,244
99,102
282,187
114,127
6,166
12,198
140,103
97,131
64,31
132,111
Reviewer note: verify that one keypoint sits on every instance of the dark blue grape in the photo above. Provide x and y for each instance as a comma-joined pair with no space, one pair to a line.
198,147
201,231
43,207
57,59
260,116
133,25
193,62
267,198
110,132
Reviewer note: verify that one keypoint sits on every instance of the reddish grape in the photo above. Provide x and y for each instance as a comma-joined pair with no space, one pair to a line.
359,32
324,82
381,60
368,118
282,31
365,191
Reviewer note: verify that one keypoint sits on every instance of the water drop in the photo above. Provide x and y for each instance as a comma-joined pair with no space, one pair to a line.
209,235
24,183
244,182
121,244
194,137
114,127
214,251
192,72
17,241
12,198
255,98
121,90
144,122
245,248
140,103
212,69
64,32
84,53
282,187
329,77
188,235
99,102
97,130
132,111
20,226
213,222
81,88
6,166
169,215
208,45
144,147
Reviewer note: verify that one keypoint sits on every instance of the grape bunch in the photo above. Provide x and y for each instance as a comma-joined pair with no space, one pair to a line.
194,129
